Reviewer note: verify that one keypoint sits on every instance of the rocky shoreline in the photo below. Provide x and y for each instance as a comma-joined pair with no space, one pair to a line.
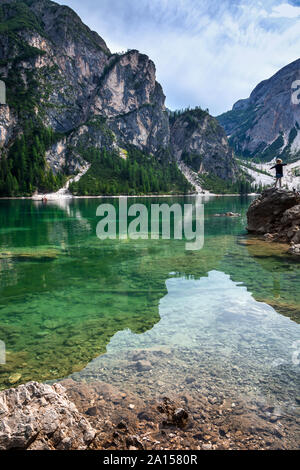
276,216
98,416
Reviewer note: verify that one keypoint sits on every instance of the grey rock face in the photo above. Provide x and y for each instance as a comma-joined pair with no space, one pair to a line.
41,417
196,133
70,61
267,124
133,102
78,78
7,125
66,154
241,104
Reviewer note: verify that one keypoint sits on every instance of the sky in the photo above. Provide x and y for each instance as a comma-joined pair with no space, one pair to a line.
208,53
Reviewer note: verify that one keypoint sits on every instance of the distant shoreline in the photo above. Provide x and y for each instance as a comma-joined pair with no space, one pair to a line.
50,199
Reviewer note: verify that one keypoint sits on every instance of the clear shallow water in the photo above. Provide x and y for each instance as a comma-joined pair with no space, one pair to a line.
74,305
211,328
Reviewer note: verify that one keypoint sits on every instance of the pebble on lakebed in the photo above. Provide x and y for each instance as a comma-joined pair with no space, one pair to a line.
14,378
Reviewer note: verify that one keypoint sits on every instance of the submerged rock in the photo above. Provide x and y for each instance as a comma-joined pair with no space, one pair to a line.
14,378
143,365
37,416
180,417
295,249
177,416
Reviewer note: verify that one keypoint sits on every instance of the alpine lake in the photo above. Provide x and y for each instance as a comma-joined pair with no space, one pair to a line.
221,320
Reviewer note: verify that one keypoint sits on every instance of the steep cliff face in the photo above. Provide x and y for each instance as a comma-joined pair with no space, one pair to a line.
49,61
68,75
7,125
133,102
200,142
267,124
66,93
126,107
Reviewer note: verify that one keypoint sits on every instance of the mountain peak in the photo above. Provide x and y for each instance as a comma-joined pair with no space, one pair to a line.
266,124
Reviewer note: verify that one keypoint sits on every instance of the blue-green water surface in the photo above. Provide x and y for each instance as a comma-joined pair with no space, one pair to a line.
73,305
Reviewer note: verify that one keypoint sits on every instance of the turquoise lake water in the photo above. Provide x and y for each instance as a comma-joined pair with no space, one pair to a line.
73,305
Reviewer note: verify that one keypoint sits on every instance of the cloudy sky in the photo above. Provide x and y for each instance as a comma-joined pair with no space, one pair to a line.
207,52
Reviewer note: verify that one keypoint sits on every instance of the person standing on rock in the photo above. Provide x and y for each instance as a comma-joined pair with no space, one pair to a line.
279,171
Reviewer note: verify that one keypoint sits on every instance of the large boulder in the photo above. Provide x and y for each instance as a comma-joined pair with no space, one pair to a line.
275,212
41,417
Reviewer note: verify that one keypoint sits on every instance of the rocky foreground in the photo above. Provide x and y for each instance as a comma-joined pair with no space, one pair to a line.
98,416
36,416
276,216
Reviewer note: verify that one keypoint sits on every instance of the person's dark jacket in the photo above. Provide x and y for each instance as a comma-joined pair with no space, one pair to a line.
279,168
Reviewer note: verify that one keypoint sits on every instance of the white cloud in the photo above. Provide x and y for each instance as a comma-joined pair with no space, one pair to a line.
208,53
285,11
